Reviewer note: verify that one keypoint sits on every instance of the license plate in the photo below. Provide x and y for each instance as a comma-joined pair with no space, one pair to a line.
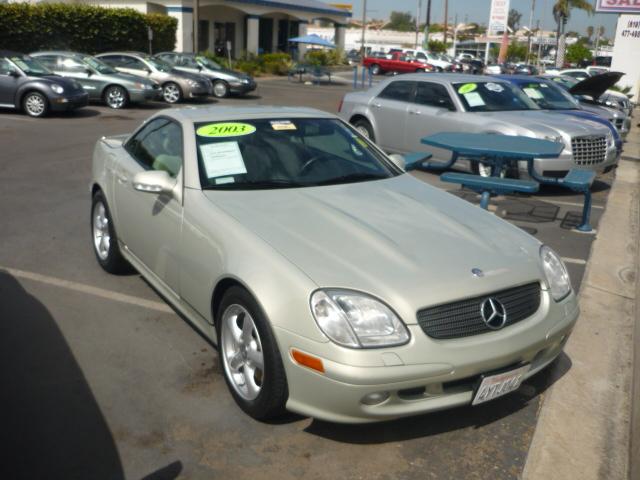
494,386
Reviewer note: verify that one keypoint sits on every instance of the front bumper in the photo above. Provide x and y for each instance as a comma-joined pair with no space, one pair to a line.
63,103
242,88
559,167
144,95
445,378
199,91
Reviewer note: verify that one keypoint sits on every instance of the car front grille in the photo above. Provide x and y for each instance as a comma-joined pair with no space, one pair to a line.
589,150
463,318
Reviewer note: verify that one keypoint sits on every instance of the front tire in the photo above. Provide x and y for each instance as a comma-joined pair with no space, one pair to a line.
364,127
35,104
375,69
171,92
105,241
116,97
248,352
220,89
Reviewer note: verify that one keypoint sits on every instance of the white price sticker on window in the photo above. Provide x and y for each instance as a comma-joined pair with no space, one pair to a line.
474,99
222,159
533,93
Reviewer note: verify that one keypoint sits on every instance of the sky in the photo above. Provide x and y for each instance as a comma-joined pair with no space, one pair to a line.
478,11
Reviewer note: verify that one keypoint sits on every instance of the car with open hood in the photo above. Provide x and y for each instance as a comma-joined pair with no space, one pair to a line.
334,283
399,112
176,85
102,82
225,81
550,96
27,85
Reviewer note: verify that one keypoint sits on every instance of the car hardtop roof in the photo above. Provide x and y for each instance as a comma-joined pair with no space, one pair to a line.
138,54
521,78
10,53
59,52
221,114
445,77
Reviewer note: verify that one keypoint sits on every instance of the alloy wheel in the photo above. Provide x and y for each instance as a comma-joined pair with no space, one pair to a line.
220,89
171,93
101,235
242,352
116,97
35,104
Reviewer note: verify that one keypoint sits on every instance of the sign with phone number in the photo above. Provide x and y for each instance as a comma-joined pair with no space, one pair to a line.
618,6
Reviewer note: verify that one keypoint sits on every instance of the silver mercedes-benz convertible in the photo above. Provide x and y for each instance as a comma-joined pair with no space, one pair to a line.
335,284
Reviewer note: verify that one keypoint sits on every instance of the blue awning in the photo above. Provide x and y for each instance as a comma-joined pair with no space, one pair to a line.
313,39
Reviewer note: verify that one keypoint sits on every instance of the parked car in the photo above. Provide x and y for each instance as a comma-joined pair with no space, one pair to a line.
353,57
524,69
176,85
475,67
550,96
225,81
27,85
434,59
398,112
267,224
102,82
398,63
589,93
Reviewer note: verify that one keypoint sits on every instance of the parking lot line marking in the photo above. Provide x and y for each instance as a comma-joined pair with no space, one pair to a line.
98,292
569,204
577,261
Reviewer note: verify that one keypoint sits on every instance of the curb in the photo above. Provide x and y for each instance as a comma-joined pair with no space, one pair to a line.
584,426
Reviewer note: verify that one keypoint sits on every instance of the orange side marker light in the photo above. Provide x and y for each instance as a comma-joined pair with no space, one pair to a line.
307,360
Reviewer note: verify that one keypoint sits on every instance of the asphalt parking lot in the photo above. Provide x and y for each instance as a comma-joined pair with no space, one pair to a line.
103,380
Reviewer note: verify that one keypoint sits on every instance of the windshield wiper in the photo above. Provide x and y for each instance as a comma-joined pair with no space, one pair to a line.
352,177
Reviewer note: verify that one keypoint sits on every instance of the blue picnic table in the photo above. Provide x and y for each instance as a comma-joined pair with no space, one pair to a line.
499,151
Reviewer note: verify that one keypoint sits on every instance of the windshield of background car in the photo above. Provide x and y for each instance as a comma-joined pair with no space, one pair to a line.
30,66
159,64
208,63
492,97
98,65
549,97
285,153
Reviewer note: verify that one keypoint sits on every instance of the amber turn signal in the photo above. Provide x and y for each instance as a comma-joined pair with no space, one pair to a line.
307,360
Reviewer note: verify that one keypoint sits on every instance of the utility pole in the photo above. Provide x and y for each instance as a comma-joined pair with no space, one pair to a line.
427,25
533,7
597,44
364,27
196,24
446,17
418,8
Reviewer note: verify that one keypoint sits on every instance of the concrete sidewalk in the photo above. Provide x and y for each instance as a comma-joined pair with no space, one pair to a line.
585,424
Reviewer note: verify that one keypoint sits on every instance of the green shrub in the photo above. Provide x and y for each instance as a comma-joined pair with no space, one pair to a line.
28,27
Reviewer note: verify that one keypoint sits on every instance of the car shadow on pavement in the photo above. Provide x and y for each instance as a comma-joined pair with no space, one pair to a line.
449,420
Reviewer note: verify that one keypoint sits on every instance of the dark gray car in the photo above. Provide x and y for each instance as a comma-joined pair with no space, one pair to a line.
176,85
26,84
102,82
224,81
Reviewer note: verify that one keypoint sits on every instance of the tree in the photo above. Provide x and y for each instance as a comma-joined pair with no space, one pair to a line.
436,46
402,21
561,13
578,52
514,19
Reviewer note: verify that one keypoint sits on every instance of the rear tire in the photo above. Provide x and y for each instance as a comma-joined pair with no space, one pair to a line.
105,241
249,355
375,69
35,104
364,127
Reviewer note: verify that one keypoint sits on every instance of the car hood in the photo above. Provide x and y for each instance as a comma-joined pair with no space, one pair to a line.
398,239
226,73
69,84
597,85
541,122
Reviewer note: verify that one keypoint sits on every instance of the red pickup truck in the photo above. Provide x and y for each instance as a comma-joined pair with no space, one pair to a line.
398,62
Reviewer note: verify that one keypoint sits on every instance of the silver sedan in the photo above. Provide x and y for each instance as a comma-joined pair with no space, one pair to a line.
335,284
398,112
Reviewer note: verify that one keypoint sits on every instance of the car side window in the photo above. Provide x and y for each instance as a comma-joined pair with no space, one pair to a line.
433,95
133,63
71,65
113,60
49,61
400,90
5,67
158,146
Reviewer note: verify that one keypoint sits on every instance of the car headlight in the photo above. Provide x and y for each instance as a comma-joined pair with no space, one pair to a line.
193,83
57,88
357,320
555,138
246,80
556,273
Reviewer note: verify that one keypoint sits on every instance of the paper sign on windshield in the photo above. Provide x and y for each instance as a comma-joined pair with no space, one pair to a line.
533,93
474,99
227,129
222,159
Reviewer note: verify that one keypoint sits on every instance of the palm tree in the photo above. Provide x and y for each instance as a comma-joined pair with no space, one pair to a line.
562,12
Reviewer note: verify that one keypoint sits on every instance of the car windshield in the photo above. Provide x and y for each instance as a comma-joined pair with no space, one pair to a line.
208,63
98,65
30,66
285,153
492,97
157,63
549,97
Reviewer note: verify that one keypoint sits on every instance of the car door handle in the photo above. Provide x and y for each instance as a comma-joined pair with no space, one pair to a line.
415,112
122,179
377,105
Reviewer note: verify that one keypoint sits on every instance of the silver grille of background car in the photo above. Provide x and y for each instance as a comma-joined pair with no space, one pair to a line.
589,150
463,318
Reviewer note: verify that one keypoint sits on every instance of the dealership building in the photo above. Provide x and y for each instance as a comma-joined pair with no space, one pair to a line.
254,26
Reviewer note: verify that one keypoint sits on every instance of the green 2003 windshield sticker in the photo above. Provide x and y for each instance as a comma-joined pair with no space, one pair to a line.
467,88
228,129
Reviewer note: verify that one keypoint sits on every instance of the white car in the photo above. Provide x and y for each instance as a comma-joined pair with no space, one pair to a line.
430,58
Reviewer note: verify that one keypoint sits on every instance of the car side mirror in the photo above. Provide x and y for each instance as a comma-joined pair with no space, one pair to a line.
153,181
14,73
88,71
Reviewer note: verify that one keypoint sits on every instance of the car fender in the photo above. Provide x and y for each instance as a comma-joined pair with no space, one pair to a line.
364,111
37,85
